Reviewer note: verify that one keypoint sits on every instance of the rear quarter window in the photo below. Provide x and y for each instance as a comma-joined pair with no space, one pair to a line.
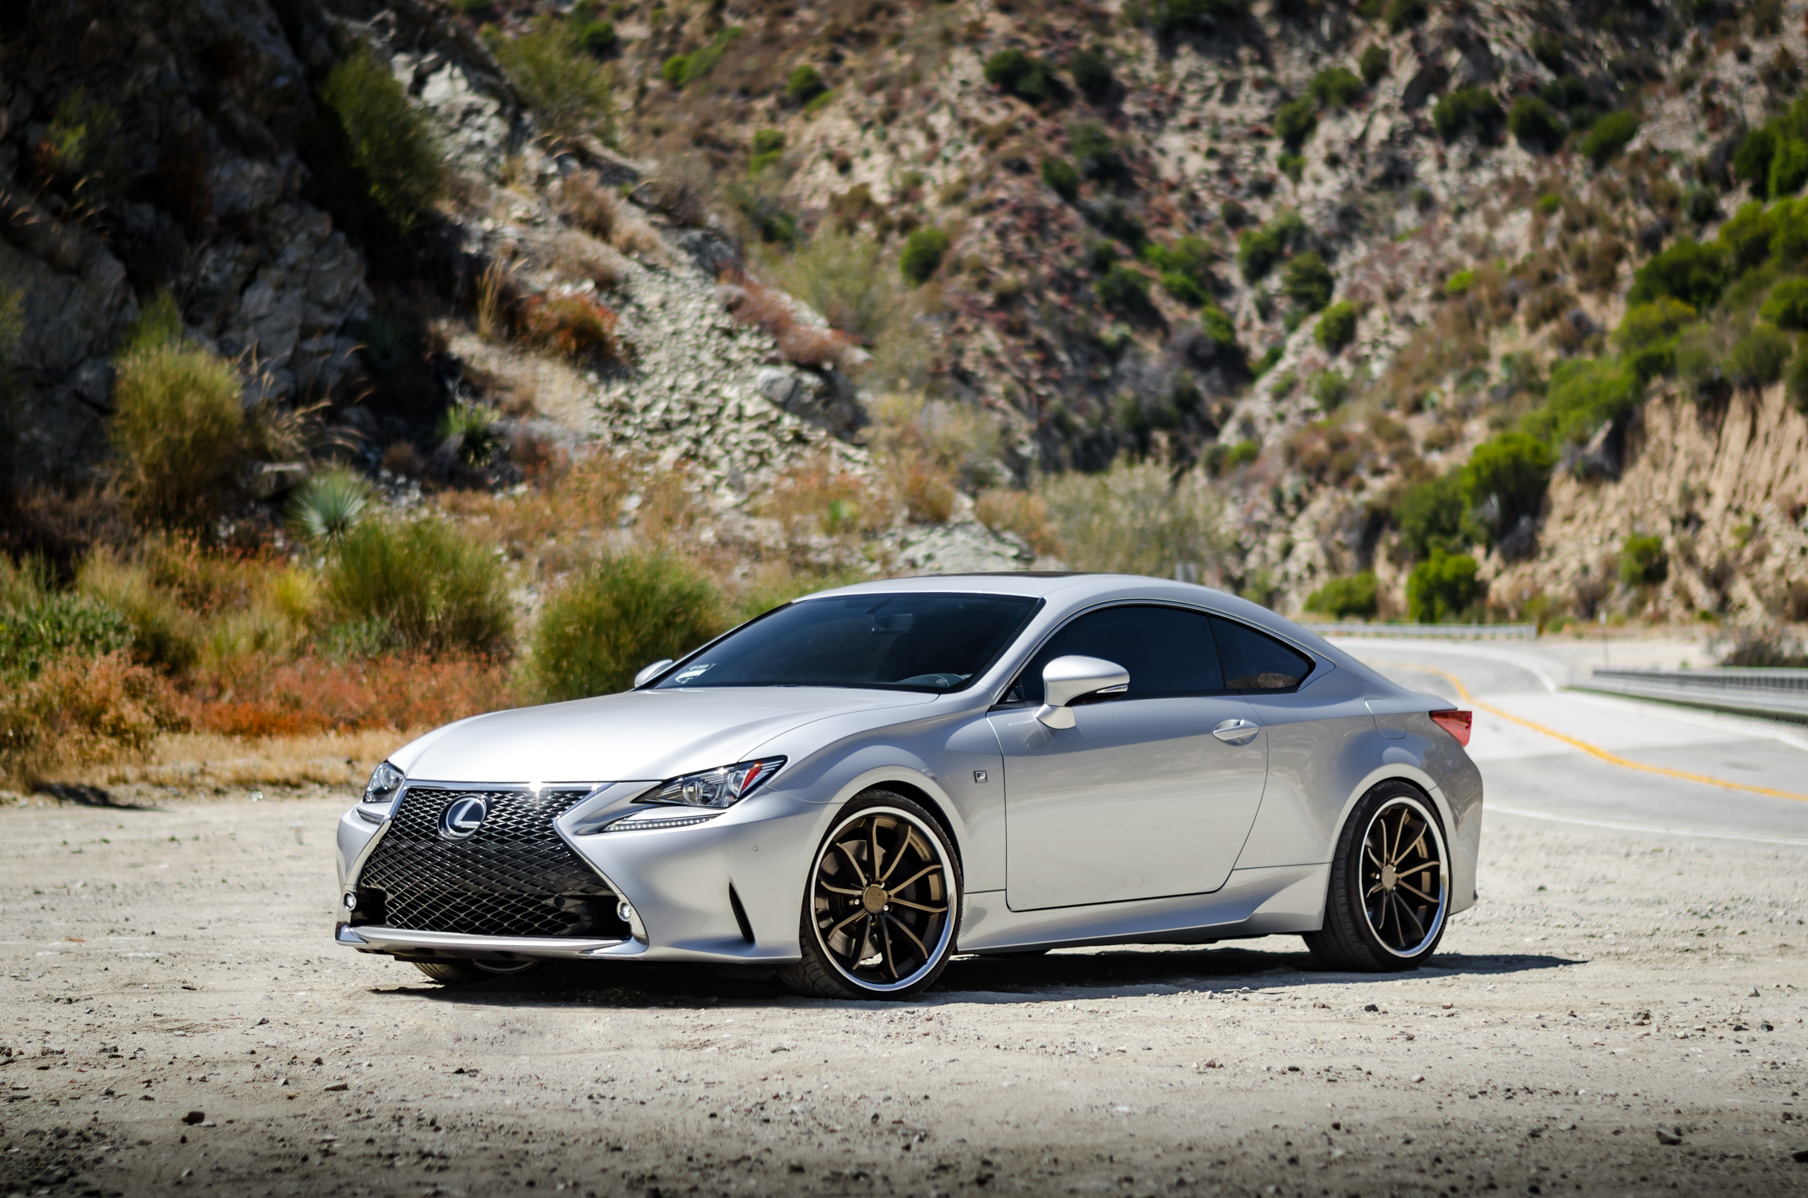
1255,662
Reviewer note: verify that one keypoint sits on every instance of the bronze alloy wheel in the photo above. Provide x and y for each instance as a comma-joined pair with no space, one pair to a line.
1404,890
1389,887
882,906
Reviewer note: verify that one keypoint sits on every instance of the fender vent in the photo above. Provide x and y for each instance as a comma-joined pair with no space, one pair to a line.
740,914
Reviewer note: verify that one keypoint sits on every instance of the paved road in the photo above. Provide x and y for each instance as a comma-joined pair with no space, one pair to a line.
1615,764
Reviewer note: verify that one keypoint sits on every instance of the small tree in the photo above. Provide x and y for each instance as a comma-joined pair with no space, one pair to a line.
923,252
1341,598
1442,587
1643,561
390,141
1336,327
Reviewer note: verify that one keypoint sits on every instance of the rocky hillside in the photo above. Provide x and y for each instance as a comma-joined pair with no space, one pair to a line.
1466,292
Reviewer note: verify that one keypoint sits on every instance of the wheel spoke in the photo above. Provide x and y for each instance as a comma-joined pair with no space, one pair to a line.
885,940
841,890
858,912
1417,891
932,868
872,848
898,902
1421,867
1370,850
1406,910
859,871
898,853
899,924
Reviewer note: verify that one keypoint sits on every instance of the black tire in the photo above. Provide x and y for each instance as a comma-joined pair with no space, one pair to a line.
841,892
463,973
1389,895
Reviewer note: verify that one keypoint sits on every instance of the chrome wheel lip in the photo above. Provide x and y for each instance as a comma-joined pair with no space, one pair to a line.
1436,833
939,950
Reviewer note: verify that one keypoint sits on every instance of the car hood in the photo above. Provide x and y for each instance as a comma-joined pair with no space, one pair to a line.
638,735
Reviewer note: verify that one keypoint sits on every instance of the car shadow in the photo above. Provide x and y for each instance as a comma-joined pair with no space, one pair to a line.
1089,974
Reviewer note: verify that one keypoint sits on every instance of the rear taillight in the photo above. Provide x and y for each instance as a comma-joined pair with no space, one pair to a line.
1456,723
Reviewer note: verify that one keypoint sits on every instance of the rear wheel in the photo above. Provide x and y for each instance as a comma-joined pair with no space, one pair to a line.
463,973
882,906
1390,885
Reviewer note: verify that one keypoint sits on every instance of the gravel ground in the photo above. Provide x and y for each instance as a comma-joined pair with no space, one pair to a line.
1616,1016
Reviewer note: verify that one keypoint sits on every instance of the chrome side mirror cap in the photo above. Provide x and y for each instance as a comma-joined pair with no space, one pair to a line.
1068,678
651,672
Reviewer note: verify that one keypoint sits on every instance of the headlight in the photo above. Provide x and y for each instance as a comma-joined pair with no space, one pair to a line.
380,793
717,788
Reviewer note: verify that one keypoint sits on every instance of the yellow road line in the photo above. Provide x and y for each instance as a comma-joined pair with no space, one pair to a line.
1592,750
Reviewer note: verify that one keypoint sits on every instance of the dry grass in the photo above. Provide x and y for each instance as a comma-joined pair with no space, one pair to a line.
815,497
573,326
80,711
582,199
777,314
1022,512
201,759
577,257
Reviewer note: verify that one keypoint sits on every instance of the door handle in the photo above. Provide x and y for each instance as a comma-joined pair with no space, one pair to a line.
1237,732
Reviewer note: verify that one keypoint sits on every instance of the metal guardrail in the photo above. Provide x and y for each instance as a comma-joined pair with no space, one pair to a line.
1779,694
1458,632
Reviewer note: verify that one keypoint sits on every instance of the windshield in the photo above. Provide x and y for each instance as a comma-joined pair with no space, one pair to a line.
919,641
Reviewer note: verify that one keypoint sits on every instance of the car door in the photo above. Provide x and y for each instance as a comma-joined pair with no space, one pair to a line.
1139,799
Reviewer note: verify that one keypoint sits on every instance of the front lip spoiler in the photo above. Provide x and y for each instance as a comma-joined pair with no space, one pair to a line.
402,942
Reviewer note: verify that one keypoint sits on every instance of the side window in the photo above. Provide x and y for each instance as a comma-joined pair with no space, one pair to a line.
1255,661
1167,650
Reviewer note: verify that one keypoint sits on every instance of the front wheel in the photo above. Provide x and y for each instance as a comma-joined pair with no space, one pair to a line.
1390,885
882,905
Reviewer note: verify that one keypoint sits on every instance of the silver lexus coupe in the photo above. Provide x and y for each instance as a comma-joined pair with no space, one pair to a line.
855,786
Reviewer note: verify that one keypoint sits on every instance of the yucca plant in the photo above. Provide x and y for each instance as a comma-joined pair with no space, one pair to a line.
328,506
472,431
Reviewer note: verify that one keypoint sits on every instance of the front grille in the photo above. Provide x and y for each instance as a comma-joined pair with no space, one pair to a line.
514,877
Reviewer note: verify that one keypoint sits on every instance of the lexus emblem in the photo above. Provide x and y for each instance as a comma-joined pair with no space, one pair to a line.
462,817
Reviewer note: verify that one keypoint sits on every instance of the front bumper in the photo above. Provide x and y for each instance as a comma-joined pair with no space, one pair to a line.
729,891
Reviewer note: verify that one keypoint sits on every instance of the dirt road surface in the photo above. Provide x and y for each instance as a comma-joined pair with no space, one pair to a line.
1619,1015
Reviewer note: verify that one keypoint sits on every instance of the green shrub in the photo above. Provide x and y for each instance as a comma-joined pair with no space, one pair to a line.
1295,120
1125,289
1062,178
1747,236
1535,126
804,84
1308,280
597,38
390,143
1291,165
1020,75
1354,595
1116,220
1795,383
1608,136
1647,336
767,147
1258,250
1788,167
178,428
328,506
1442,587
1186,16
53,624
1789,244
1693,272
1218,329
1513,470
86,146
566,88
1374,64
423,582
923,252
473,431
1185,268
1643,561
1336,327
1547,48
1458,284
1098,153
1584,394
1429,515
1330,388
1092,74
1337,87
1466,109
618,617
676,70
1751,161
1402,13
1700,205
1756,359
1787,306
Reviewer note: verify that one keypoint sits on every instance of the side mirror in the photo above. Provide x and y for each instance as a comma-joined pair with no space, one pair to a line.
1068,678
651,672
